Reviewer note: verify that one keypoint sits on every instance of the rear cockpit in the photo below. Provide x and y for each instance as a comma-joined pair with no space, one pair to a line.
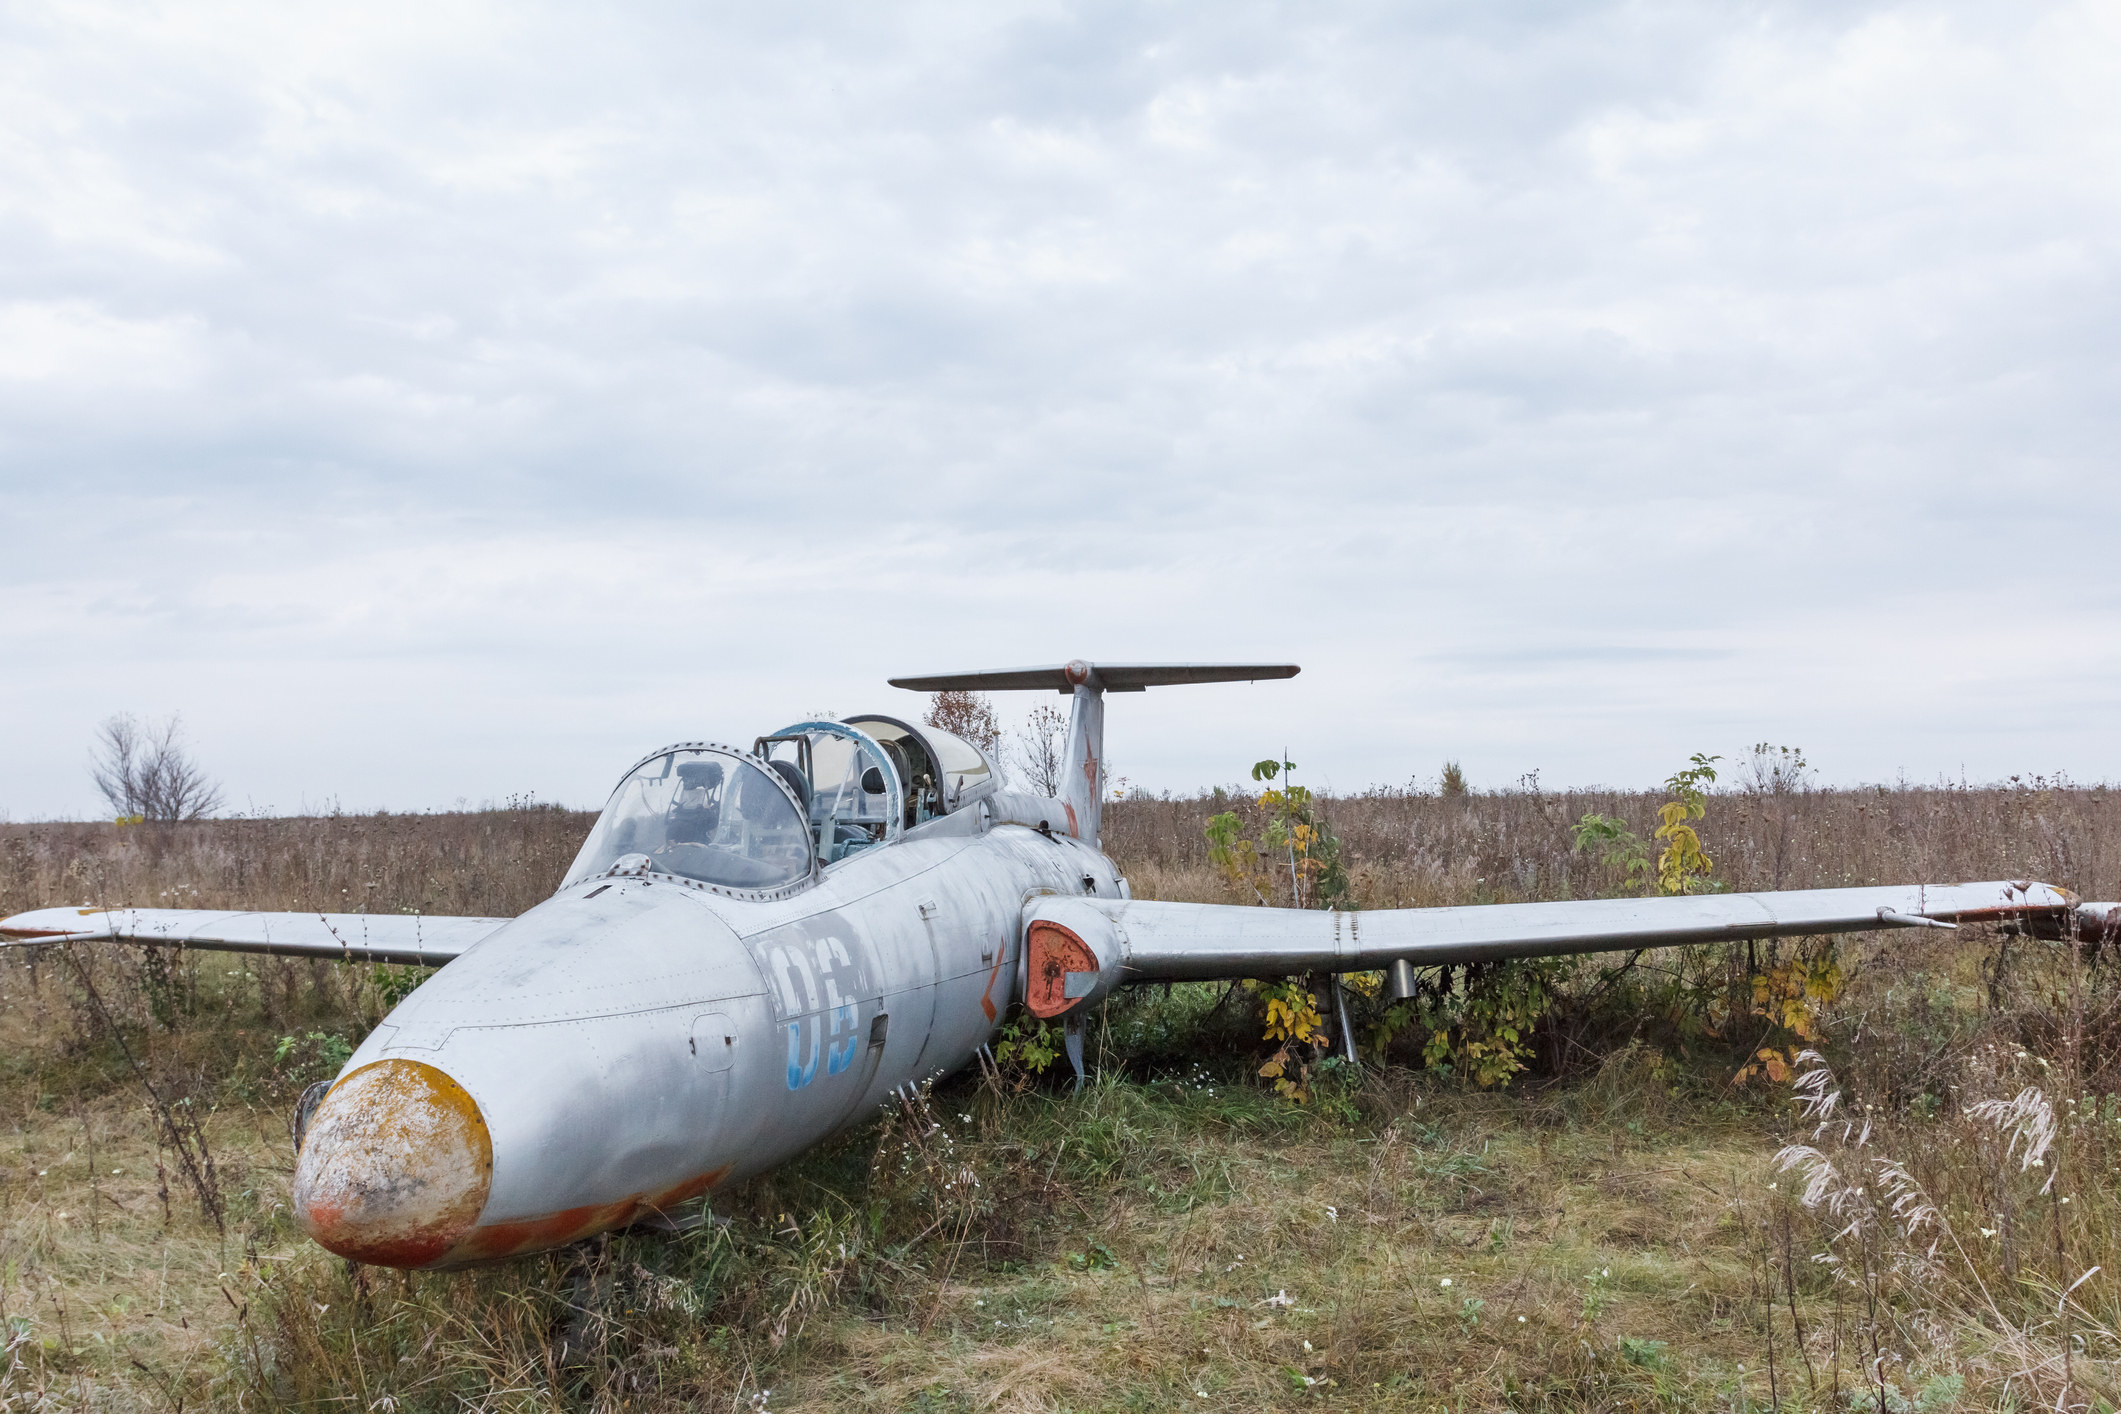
853,794
872,778
951,770
763,822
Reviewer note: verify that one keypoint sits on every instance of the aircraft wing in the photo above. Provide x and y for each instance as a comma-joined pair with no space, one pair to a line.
426,940
1118,941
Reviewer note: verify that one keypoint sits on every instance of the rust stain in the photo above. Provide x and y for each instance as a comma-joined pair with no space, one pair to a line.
1055,952
986,998
513,1239
536,1234
685,1192
395,1165
1072,830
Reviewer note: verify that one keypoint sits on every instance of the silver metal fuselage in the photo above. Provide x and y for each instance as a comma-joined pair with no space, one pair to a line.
635,1042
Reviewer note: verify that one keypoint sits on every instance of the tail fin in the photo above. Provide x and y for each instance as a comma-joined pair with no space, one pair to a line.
1082,777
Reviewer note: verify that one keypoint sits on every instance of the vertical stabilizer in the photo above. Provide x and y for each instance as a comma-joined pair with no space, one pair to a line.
1082,789
1082,786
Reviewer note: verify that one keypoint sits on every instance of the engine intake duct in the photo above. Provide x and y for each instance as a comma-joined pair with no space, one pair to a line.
1074,953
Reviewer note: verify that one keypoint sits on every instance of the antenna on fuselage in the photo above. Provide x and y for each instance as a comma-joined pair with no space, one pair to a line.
1082,772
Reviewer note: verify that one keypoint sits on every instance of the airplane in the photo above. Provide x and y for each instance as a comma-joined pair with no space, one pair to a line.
757,947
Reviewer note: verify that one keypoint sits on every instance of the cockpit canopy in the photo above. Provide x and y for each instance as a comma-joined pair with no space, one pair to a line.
704,813
755,821
943,772
872,778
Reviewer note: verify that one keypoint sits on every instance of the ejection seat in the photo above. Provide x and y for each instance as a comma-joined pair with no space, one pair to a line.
697,811
797,781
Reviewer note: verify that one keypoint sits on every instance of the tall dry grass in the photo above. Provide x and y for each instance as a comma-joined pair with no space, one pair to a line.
1406,849
493,863
1416,850
1176,1235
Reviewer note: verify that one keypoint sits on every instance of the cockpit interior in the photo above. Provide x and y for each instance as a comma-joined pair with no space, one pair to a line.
808,796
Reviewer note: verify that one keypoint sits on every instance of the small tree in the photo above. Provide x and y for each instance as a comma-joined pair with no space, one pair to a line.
1682,868
145,772
1295,843
1776,770
1037,749
969,715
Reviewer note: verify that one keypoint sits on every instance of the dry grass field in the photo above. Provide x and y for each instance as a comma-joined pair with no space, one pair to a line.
1609,1230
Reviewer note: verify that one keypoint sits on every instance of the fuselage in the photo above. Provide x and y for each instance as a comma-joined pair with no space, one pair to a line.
638,1040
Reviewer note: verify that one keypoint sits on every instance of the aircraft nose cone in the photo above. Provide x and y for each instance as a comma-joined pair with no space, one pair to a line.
395,1165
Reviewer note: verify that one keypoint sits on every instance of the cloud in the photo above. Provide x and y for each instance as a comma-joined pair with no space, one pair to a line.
445,400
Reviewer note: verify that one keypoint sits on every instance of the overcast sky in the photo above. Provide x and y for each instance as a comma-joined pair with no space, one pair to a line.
439,401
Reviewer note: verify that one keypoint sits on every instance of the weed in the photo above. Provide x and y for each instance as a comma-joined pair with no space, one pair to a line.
315,1056
1098,1259
1638,1350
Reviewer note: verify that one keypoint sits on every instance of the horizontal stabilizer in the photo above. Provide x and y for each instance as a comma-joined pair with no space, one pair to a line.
428,941
1112,677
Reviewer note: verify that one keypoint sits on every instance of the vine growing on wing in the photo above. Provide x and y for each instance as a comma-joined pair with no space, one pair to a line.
1278,847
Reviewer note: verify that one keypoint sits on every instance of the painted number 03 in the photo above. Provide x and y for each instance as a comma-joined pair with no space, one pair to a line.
821,1018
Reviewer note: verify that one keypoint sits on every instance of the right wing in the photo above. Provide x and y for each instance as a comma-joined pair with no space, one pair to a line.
423,939
1078,949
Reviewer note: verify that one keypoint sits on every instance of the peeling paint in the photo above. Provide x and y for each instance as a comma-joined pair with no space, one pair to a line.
508,1239
395,1165
1055,952
986,997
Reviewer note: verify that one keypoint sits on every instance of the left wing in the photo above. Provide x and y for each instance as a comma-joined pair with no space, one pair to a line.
1078,949
427,940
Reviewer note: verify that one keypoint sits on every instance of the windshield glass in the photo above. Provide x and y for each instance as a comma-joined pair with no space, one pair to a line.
703,814
856,794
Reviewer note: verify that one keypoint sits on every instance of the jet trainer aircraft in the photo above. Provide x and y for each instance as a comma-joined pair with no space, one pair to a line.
757,946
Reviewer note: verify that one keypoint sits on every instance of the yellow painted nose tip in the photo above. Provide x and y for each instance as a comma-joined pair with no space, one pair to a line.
395,1165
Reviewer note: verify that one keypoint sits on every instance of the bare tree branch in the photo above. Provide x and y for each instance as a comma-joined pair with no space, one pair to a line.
114,764
146,773
1037,747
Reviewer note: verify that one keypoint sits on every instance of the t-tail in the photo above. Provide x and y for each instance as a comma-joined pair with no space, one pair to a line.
1083,771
